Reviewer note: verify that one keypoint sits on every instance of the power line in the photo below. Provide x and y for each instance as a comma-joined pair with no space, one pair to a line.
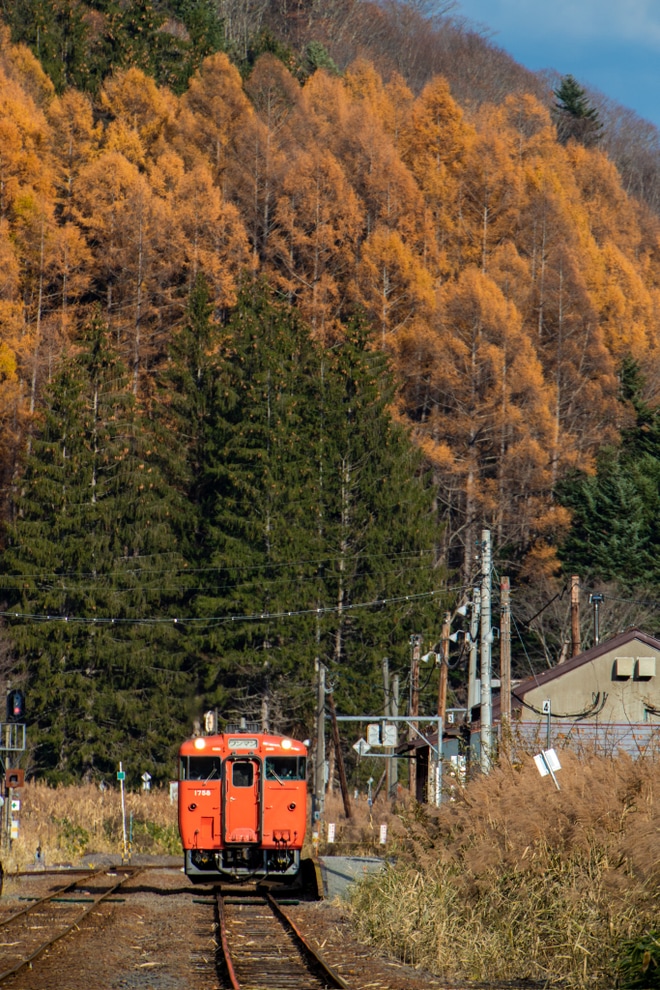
183,570
221,619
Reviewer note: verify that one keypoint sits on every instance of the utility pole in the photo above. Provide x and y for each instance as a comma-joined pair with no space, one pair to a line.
387,710
319,782
597,601
474,647
444,668
486,644
340,759
394,712
413,709
576,646
505,663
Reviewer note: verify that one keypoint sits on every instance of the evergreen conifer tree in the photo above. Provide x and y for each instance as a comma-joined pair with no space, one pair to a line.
92,567
576,117
615,533
314,506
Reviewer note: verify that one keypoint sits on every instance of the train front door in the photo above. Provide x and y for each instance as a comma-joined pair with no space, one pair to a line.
242,785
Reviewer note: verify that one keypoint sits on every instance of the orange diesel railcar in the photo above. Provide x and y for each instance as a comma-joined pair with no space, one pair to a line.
242,806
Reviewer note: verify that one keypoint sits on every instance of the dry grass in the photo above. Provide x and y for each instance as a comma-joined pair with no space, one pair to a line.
68,822
513,879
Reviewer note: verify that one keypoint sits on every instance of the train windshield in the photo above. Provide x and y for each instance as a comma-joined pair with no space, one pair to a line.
201,768
285,768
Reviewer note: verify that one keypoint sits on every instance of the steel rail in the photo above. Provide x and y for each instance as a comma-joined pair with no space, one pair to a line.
312,958
74,924
226,957
48,897
312,955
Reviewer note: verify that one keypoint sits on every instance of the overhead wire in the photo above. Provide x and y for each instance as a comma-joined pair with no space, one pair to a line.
183,621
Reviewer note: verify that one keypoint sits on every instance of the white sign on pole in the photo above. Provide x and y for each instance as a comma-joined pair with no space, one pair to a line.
361,747
390,735
373,734
383,834
551,759
331,832
547,762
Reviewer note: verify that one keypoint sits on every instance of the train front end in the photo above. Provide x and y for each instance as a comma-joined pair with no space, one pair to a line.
242,806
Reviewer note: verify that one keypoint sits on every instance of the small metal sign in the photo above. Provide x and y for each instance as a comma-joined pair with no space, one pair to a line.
373,734
361,747
121,775
547,762
242,742
390,734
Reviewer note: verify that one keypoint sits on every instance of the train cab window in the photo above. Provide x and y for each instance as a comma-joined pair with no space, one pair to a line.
285,768
242,773
201,768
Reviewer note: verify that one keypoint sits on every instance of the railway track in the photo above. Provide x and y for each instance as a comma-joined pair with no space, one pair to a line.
260,948
26,934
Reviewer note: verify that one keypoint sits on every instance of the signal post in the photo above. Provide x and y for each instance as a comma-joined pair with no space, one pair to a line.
12,744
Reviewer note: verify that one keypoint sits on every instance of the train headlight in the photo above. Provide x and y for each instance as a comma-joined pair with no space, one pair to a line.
200,743
286,744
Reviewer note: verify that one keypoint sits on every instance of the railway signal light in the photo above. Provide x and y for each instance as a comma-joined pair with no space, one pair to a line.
15,706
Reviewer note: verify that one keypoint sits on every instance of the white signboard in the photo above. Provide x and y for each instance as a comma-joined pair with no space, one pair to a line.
373,734
331,832
390,735
361,747
547,762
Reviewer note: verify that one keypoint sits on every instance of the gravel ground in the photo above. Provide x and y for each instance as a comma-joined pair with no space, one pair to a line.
158,938
161,937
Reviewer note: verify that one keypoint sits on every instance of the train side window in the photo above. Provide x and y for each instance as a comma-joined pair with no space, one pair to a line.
285,768
204,768
242,773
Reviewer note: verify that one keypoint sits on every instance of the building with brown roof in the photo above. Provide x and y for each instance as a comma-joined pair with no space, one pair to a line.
607,698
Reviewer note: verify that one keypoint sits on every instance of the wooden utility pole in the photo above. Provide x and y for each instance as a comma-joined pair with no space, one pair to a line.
413,710
394,710
576,645
387,711
340,759
505,663
444,668
319,778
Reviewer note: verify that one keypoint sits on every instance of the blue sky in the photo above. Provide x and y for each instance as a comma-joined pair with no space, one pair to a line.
612,45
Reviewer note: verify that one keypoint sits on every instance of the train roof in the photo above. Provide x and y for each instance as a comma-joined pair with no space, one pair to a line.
226,743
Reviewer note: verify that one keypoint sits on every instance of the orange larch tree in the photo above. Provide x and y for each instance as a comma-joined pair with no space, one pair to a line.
129,229
313,244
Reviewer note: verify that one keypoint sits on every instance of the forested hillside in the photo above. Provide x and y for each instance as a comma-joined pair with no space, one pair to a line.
276,345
